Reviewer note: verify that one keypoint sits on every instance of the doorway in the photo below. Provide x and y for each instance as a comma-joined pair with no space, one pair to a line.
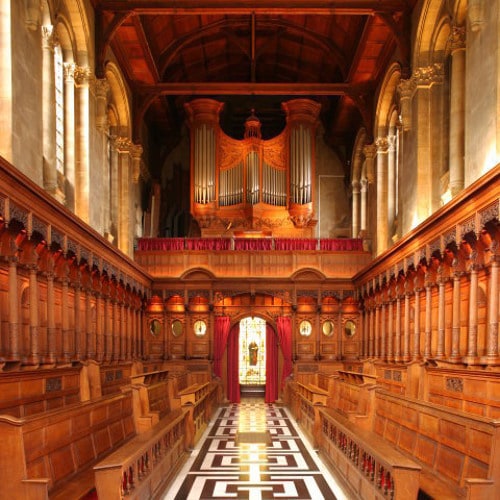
252,357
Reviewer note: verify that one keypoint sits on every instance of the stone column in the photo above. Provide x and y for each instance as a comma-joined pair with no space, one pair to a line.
457,109
101,86
382,162
428,321
406,89
355,208
370,151
363,207
6,103
48,110
441,319
426,138
13,311
391,184
114,191
492,356
406,332
69,133
34,356
82,166
123,147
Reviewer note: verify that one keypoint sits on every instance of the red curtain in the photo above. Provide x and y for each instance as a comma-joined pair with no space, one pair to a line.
284,325
233,379
222,325
271,365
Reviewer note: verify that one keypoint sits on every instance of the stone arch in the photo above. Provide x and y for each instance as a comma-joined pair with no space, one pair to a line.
387,100
77,15
357,155
119,101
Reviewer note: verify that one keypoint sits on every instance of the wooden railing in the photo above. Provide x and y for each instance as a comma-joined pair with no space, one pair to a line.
142,467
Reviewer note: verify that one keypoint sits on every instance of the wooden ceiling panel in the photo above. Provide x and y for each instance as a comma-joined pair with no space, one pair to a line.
197,41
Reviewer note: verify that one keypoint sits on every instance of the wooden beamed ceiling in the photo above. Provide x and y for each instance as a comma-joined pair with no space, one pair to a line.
253,54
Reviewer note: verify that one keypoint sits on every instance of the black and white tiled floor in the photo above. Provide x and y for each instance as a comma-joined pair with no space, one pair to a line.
233,459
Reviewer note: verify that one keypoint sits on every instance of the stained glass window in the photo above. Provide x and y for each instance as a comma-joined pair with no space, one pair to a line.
252,351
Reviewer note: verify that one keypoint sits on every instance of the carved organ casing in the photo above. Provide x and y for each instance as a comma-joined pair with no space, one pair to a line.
253,185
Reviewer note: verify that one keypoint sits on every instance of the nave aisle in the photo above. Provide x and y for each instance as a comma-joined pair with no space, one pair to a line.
254,451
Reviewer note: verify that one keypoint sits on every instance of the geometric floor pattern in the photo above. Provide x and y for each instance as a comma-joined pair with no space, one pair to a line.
253,451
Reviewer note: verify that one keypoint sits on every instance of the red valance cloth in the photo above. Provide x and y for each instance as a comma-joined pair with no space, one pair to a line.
221,332
295,244
253,244
160,244
218,244
208,244
341,244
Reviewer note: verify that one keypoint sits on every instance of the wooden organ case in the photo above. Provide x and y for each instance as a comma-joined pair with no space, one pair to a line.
253,186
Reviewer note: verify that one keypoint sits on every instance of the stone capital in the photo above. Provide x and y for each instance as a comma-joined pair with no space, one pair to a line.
49,38
355,186
101,87
457,38
82,75
382,145
392,142
429,75
69,72
122,145
370,150
406,90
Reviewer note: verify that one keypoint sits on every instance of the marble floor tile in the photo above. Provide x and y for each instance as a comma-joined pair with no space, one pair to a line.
254,451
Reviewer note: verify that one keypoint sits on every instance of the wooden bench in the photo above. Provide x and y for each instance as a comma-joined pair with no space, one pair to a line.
50,454
150,393
458,452
38,391
368,465
146,464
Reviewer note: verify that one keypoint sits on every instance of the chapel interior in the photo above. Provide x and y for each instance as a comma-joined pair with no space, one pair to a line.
206,202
